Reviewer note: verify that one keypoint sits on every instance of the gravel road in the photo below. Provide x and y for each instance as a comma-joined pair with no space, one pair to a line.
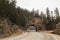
34,36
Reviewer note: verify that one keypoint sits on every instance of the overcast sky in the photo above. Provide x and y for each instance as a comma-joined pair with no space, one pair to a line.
39,4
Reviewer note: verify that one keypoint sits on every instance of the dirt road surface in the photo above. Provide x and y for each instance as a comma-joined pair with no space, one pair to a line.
34,36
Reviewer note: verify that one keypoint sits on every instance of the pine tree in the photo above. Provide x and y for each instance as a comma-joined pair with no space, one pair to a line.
48,13
57,15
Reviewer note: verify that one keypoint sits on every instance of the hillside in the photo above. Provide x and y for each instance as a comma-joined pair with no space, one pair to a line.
7,28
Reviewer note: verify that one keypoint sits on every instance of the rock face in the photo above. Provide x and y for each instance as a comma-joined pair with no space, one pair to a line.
7,29
37,22
57,29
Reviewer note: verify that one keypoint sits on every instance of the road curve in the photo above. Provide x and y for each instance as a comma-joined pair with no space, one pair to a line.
34,36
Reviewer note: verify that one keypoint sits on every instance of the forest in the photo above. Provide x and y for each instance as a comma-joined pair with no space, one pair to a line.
20,16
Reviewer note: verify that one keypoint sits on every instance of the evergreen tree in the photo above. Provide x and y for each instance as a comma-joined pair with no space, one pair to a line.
42,15
20,18
48,13
57,15
57,12
49,22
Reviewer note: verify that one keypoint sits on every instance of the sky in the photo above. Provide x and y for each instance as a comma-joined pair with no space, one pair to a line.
41,5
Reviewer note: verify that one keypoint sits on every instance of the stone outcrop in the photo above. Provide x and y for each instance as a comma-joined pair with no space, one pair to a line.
7,28
57,31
